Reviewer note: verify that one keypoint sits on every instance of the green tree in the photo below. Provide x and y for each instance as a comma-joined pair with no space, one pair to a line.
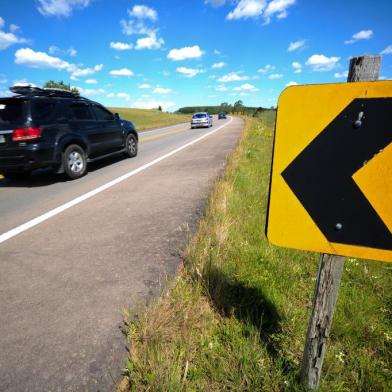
160,108
238,106
62,86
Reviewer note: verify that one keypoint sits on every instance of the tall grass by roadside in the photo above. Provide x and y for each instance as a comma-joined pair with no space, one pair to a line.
235,318
149,118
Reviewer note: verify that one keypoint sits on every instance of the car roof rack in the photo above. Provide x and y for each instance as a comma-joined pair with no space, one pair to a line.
43,92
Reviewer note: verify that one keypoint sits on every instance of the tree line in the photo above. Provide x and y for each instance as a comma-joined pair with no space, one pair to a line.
237,108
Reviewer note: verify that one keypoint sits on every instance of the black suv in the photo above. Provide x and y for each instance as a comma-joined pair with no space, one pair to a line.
58,129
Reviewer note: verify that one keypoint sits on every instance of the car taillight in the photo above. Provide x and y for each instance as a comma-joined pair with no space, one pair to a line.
22,134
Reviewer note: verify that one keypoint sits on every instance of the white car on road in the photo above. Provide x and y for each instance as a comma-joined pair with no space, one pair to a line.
201,119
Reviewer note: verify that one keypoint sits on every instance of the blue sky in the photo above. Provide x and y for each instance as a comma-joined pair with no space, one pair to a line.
188,52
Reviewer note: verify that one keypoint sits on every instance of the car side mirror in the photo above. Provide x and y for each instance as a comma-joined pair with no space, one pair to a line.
116,116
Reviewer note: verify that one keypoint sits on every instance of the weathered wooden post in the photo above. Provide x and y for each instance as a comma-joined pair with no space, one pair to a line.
364,68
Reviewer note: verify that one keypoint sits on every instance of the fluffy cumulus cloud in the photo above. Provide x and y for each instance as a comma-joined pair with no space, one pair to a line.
387,50
124,96
10,38
275,76
291,84
218,65
267,68
91,81
144,85
60,7
361,35
296,66
53,49
121,72
221,88
322,63
153,104
88,92
246,87
232,77
32,59
245,9
161,90
149,42
296,45
188,52
120,46
142,21
188,72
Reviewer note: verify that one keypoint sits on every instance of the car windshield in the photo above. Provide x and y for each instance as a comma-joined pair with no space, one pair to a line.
199,115
11,111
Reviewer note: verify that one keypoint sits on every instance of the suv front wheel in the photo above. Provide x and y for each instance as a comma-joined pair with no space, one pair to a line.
74,161
131,146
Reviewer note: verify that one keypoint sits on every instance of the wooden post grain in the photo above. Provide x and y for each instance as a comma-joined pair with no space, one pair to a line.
365,68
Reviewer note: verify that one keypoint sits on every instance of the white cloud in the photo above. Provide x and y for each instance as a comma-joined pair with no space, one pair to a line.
247,9
260,8
144,85
53,49
149,42
275,76
215,3
278,7
188,52
152,104
246,87
291,84
143,12
217,52
61,7
121,72
218,65
161,90
188,72
124,96
296,45
266,68
361,35
90,91
296,66
91,81
120,46
221,88
387,50
8,39
339,75
320,63
232,77
32,59
86,71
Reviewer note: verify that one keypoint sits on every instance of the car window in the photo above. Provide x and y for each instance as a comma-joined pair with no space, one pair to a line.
11,111
80,112
102,114
43,111
199,115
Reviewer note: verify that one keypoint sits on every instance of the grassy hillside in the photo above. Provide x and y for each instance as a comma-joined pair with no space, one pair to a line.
235,319
147,119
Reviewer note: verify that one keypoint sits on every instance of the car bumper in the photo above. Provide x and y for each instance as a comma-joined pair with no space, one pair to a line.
199,125
28,158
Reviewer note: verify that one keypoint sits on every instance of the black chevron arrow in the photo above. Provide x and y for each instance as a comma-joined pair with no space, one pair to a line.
321,175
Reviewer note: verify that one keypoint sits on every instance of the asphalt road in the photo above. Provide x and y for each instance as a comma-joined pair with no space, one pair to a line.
66,277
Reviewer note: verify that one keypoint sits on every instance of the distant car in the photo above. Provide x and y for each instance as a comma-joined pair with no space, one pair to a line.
201,120
222,115
58,129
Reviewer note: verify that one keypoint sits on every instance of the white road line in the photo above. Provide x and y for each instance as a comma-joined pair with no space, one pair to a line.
47,215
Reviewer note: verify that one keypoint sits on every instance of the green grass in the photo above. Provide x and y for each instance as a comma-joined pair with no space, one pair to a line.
149,118
236,317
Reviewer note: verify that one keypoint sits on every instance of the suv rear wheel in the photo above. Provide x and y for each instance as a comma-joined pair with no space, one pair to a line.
74,161
131,146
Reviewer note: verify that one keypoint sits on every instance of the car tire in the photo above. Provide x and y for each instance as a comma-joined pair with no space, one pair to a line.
131,146
74,161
